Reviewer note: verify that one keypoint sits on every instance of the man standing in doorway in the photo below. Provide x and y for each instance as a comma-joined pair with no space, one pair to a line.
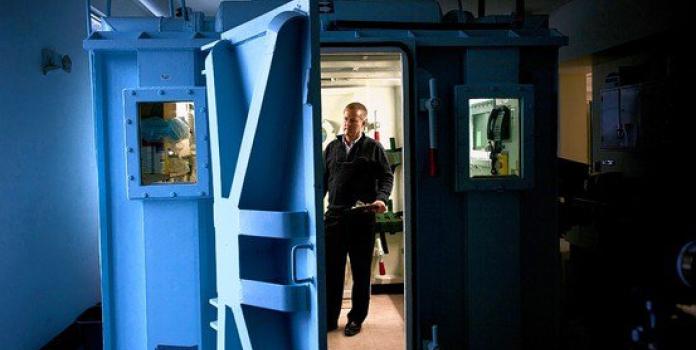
356,171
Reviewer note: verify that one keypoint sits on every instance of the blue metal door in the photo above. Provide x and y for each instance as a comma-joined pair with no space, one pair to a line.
263,95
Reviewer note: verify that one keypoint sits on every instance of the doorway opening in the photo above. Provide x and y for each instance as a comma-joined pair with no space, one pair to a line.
376,78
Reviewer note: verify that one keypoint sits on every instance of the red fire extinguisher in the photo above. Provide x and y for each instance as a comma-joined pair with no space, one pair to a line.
376,128
380,252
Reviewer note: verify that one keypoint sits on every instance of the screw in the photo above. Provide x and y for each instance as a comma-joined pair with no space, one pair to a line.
203,109
161,92
206,165
131,178
146,195
190,92
129,121
202,193
133,92
173,194
130,149
205,138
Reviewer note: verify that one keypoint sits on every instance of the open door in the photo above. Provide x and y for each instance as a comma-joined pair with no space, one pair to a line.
265,139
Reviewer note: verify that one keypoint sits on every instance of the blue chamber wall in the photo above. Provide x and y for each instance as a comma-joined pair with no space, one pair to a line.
49,262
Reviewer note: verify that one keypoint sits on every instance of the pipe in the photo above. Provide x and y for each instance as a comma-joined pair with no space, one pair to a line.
481,8
432,105
171,8
108,8
158,8
184,9
88,12
433,344
519,11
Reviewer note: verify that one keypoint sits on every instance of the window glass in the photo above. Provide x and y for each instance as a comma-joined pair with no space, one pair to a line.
167,142
494,137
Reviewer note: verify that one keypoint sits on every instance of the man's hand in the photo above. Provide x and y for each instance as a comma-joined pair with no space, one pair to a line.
688,309
378,206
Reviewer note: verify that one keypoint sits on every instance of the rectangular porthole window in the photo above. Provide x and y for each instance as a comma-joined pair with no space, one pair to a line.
167,142
495,137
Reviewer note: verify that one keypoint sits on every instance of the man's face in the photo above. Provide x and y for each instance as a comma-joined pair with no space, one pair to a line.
353,123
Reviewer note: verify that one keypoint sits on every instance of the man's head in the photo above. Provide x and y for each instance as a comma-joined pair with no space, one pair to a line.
354,120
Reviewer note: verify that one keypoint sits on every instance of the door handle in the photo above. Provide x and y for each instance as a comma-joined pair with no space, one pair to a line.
293,261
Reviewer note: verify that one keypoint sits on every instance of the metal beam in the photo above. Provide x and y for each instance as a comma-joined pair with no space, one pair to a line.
159,8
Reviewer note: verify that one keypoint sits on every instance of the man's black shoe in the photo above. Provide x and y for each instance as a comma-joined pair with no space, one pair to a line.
352,328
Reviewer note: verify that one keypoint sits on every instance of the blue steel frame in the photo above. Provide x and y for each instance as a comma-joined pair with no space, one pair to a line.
130,41
136,190
104,217
525,93
128,234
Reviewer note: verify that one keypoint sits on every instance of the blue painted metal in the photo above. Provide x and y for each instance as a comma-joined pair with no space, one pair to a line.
393,11
448,38
475,236
157,262
102,179
88,16
263,94
686,254
233,13
493,285
263,97
184,9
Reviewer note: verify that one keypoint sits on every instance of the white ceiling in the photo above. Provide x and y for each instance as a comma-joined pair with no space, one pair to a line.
367,68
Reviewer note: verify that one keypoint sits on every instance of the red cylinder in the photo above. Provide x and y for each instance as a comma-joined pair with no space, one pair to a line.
432,162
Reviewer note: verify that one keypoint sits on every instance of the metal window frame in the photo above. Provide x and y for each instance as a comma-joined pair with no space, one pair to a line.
136,190
525,94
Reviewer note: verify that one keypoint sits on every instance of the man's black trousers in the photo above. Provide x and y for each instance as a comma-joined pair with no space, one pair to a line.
348,233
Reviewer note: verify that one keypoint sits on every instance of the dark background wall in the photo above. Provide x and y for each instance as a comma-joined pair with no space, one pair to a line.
593,26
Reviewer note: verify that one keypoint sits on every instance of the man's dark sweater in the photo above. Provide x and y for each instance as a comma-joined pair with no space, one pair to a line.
363,174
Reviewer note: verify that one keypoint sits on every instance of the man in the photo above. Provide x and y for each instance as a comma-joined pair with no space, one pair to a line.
356,169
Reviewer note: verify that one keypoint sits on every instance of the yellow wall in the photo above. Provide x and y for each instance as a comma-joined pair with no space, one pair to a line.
573,123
